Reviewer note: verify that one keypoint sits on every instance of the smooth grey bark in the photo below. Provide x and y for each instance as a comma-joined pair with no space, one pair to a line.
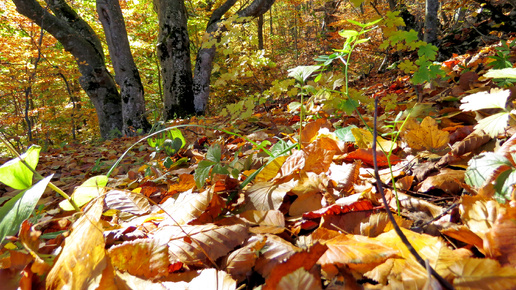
205,56
78,38
174,56
126,73
431,21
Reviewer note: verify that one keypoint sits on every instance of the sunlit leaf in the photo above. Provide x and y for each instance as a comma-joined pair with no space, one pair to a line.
15,174
83,194
19,208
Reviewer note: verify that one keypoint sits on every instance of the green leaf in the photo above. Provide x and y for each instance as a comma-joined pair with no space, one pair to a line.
168,162
19,208
87,191
427,50
504,185
495,99
279,148
483,166
202,172
301,73
214,153
345,134
15,174
348,33
176,134
509,73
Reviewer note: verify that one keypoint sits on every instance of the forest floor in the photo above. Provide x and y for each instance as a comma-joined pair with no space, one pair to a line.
312,214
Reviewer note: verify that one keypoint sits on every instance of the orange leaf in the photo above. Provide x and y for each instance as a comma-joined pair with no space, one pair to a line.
366,156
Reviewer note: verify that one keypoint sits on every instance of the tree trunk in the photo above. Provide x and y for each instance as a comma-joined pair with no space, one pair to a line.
260,32
174,55
126,72
205,56
80,40
431,21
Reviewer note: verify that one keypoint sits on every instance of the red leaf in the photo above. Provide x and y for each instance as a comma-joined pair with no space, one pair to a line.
366,156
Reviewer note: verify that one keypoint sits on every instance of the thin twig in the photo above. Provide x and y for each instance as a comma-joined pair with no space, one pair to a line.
400,233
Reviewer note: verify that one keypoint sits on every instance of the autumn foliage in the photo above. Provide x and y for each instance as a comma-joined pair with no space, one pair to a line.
284,188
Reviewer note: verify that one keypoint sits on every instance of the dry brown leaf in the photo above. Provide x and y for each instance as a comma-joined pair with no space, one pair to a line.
472,142
426,136
305,260
482,274
360,253
241,262
310,182
311,130
305,203
127,201
318,160
345,175
274,251
186,207
190,244
406,267
300,279
478,213
501,239
379,223
83,257
184,183
448,180
266,195
212,279
264,218
464,234
144,258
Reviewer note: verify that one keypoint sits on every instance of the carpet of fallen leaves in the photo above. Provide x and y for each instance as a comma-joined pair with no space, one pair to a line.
311,219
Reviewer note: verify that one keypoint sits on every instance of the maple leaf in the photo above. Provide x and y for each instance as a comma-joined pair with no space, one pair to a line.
426,136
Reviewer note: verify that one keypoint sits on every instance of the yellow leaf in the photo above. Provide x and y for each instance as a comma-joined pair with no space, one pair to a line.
364,140
426,136
83,257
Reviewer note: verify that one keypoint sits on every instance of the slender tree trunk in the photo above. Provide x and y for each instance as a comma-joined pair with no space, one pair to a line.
431,21
205,56
80,40
260,32
126,72
174,55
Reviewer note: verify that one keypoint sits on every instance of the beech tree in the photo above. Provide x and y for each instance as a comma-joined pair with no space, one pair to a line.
184,93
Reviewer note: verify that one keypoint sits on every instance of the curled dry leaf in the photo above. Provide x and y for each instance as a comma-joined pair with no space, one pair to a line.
299,279
447,180
501,239
83,257
186,207
190,244
241,262
304,259
479,213
482,274
472,142
127,201
267,195
274,251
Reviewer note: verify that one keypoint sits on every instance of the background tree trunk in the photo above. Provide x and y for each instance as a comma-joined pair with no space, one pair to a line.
80,40
205,56
431,21
174,56
126,72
